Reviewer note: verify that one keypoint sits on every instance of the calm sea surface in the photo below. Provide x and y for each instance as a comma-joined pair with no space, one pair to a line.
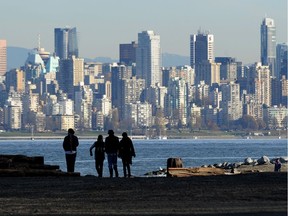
152,154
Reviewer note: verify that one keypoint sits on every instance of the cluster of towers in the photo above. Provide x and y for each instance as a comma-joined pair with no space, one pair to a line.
62,90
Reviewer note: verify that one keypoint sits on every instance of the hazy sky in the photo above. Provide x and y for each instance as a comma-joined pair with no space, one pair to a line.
104,24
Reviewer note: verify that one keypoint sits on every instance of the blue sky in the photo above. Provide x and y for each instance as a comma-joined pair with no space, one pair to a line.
104,24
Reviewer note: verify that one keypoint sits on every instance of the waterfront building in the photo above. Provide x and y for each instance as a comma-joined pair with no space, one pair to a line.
127,53
201,48
3,57
276,117
66,43
268,45
148,58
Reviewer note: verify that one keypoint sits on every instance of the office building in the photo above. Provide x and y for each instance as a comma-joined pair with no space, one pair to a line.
281,60
66,43
268,45
3,57
71,73
127,53
201,48
148,58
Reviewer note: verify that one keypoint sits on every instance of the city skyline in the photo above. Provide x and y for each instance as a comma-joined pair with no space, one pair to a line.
102,26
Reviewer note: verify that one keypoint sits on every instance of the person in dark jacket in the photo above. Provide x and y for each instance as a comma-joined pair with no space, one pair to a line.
70,145
99,154
126,152
112,148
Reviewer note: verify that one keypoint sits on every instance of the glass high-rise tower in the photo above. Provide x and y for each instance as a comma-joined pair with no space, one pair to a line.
201,48
148,58
66,42
268,45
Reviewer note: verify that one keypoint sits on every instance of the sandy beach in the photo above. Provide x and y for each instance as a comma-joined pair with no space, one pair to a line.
261,193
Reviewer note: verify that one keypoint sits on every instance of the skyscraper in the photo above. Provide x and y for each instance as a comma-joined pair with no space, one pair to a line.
128,53
71,73
3,57
281,59
268,44
148,58
201,48
66,42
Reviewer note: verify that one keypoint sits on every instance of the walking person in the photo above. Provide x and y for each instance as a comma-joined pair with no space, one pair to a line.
112,148
126,152
99,154
70,145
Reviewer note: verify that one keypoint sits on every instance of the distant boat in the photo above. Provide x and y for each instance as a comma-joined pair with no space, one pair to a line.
163,137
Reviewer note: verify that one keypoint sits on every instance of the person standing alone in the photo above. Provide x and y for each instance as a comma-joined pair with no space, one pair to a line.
112,148
70,145
126,152
99,154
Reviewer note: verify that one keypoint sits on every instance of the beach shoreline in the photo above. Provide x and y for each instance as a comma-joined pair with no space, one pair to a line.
261,193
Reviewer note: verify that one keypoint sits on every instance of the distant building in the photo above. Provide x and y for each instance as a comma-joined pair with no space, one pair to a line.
208,71
127,53
15,79
228,68
262,84
3,57
281,60
148,58
276,117
13,111
71,73
231,102
66,43
268,45
201,48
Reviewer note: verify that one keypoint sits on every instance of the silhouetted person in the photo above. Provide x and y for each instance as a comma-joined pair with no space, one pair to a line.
70,144
277,167
126,152
99,154
112,148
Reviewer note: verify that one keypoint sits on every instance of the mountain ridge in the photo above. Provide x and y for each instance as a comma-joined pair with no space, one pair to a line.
16,57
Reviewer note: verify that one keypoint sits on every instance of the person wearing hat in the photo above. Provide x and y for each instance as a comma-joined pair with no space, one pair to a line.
126,152
70,145
111,149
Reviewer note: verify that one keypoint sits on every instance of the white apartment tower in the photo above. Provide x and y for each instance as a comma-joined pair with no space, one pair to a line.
148,58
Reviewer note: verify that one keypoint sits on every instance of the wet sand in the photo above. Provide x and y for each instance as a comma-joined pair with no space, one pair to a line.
244,194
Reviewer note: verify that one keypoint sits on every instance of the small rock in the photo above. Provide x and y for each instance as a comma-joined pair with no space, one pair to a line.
248,161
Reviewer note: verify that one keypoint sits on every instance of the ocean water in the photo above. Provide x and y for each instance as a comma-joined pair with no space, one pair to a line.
153,154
